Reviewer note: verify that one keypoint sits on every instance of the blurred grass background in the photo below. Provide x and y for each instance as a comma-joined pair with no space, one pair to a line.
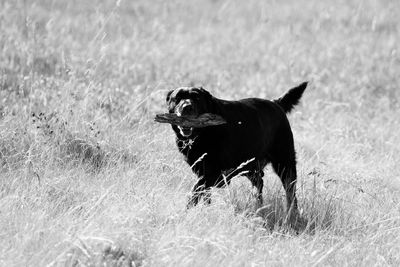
87,178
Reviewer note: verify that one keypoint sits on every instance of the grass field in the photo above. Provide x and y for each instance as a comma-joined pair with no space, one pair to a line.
87,178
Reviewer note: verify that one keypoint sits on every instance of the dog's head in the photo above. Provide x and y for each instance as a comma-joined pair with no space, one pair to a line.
188,101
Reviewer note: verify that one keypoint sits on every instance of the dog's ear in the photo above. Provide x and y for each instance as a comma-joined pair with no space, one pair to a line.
169,95
207,100
204,92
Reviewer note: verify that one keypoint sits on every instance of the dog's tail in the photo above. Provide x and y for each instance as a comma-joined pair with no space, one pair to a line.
291,98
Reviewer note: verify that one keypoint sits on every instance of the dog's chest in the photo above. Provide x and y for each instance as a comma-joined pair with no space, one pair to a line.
196,148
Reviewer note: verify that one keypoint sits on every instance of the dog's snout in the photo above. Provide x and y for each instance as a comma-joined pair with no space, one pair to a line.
185,107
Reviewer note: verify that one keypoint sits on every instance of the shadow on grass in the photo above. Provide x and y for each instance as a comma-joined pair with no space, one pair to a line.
315,215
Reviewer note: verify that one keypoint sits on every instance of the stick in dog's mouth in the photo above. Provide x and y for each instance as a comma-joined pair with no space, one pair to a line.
190,122
185,131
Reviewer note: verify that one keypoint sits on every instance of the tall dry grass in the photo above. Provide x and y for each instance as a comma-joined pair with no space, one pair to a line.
88,179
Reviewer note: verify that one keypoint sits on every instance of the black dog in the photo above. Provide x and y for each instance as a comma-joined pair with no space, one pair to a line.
257,133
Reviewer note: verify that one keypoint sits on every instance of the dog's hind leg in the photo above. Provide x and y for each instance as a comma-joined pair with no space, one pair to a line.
256,178
287,173
257,181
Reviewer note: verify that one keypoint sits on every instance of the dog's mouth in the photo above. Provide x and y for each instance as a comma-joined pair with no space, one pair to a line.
185,131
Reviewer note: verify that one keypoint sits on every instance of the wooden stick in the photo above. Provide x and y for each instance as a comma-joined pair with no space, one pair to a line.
204,120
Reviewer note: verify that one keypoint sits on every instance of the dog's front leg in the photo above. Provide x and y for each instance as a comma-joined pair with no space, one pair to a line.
200,190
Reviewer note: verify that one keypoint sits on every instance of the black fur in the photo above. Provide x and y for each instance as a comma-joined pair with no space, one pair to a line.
257,133
291,98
